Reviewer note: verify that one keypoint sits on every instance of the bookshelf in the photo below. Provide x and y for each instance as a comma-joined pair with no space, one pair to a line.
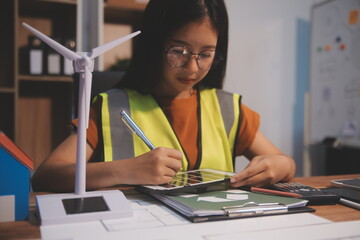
36,110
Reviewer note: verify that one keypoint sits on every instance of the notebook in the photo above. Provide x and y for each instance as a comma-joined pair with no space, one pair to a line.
190,181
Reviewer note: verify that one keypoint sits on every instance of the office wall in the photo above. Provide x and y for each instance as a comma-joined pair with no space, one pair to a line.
262,65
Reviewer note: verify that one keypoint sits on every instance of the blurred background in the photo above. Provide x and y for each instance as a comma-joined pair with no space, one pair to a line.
294,62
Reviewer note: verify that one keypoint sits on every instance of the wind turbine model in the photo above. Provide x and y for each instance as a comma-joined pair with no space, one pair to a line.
82,205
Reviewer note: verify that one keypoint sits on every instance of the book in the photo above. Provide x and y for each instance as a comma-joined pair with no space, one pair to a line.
229,204
36,55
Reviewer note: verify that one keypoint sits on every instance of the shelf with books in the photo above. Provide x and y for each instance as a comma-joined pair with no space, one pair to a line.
37,107
43,101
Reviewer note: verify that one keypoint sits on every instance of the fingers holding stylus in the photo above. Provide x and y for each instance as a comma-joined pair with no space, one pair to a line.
172,159
158,166
167,161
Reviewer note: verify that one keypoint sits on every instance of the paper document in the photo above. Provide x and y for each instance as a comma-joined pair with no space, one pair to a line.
152,220
331,231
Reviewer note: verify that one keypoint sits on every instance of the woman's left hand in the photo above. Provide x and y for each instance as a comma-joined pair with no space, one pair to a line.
264,170
268,165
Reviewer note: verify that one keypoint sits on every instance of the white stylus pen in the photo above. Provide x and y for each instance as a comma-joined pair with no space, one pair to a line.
135,129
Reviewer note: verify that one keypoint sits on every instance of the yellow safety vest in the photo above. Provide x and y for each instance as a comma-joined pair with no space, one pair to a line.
219,123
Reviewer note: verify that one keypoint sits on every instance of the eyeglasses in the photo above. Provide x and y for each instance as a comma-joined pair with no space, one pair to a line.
178,56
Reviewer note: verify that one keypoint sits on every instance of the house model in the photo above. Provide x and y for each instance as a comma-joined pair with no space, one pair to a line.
15,170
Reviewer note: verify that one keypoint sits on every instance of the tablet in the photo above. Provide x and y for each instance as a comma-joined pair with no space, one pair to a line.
190,180
353,183
347,193
348,197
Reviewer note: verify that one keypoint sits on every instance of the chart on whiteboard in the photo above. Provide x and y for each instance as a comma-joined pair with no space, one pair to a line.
335,72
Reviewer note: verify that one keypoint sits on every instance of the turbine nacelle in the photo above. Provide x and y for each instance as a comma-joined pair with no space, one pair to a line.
84,61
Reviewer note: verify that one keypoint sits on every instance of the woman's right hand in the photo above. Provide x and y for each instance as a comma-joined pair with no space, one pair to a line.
57,172
155,167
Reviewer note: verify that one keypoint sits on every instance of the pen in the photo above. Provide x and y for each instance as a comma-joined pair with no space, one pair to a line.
135,129
275,192
349,203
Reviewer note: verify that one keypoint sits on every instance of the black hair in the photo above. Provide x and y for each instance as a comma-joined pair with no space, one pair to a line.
161,18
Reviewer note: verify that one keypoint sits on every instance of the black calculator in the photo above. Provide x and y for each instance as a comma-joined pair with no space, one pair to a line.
315,196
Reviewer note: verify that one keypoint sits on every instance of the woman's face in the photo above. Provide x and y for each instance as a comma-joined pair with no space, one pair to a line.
178,82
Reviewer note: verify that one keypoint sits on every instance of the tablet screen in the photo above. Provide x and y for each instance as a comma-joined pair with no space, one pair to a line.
192,179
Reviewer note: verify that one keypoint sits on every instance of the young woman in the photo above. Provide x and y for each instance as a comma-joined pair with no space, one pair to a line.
172,90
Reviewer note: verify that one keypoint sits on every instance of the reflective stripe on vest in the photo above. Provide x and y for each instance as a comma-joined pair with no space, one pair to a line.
219,126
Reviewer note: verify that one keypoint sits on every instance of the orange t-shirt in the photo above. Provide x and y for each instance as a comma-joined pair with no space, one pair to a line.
182,115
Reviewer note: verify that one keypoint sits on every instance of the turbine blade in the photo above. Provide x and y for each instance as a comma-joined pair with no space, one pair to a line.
67,53
87,84
103,48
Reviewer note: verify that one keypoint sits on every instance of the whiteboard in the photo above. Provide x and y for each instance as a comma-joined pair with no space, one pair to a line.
335,72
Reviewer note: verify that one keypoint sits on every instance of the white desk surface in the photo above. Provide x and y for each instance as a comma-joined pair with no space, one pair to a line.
154,221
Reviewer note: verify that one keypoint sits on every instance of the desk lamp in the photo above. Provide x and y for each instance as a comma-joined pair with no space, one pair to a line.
81,205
